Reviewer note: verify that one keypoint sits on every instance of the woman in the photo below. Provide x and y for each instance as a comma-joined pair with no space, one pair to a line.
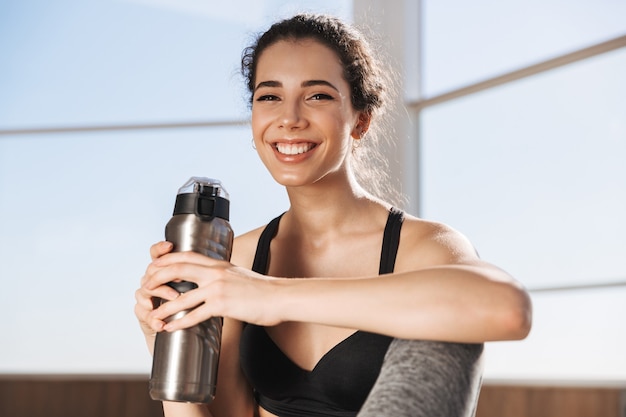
341,272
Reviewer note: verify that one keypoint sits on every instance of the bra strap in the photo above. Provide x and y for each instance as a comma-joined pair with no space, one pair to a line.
391,241
262,255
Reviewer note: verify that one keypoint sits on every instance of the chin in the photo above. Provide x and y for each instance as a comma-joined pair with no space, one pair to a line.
290,180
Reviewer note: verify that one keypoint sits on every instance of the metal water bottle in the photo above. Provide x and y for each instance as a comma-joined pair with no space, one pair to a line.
184,365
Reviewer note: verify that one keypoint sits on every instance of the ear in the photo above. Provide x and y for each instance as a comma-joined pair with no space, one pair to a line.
362,125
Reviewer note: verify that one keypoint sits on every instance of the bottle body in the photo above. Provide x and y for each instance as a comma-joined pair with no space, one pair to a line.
212,238
185,362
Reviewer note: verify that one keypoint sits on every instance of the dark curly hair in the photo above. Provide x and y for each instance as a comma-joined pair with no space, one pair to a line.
371,84
361,71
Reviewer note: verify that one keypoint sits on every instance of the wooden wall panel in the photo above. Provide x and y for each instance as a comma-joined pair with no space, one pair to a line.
127,396
524,401
76,397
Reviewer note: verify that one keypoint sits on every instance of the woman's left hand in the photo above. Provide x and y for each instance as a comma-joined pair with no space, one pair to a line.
224,290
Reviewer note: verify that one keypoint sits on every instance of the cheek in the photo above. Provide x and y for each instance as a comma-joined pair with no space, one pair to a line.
260,120
341,128
257,126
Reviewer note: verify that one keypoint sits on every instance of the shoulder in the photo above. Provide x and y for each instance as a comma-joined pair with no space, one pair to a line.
425,243
244,247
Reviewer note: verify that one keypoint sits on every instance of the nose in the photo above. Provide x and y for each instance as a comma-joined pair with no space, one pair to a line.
291,116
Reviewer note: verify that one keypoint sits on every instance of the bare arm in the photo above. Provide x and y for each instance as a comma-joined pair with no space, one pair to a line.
456,303
446,293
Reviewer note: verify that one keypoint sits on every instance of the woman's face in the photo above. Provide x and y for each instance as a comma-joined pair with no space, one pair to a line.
302,115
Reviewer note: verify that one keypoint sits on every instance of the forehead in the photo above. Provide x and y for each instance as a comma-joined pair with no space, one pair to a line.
305,58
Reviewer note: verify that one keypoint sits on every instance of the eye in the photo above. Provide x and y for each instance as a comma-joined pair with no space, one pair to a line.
320,96
267,97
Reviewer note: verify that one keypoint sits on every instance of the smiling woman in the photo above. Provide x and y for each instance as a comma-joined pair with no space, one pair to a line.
380,274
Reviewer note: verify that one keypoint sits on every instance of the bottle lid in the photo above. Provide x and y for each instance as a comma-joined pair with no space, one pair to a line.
204,186
204,197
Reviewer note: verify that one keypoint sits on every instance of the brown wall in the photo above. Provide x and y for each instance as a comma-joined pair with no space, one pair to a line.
527,401
76,396
127,396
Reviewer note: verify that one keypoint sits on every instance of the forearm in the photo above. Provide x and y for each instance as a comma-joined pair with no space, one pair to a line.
450,303
175,409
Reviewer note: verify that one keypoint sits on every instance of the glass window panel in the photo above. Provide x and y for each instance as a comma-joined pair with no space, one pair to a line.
533,172
465,42
71,62
78,214
577,337
79,211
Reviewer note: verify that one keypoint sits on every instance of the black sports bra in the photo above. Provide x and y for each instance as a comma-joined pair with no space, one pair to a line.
339,383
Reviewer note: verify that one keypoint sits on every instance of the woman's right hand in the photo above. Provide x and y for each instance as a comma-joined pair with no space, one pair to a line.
146,299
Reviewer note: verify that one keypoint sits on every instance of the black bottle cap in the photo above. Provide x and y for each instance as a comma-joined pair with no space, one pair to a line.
202,205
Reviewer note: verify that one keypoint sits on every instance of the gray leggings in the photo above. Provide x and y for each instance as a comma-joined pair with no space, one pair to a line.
426,379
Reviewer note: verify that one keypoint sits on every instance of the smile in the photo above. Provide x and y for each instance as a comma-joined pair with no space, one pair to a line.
294,148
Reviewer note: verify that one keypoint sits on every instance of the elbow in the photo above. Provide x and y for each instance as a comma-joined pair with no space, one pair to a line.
517,317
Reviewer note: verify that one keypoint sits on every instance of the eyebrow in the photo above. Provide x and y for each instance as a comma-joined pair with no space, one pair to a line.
308,83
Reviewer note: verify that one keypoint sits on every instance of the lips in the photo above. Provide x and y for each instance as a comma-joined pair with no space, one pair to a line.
294,148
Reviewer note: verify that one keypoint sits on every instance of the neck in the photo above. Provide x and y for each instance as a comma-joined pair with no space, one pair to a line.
329,206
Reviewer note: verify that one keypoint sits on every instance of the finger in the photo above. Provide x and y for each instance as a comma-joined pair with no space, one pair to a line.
170,308
165,292
190,300
186,257
159,249
150,270
179,272
193,316
143,299
147,302
142,310
149,325
156,290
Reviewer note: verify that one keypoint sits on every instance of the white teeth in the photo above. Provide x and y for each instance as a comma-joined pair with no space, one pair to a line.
294,148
